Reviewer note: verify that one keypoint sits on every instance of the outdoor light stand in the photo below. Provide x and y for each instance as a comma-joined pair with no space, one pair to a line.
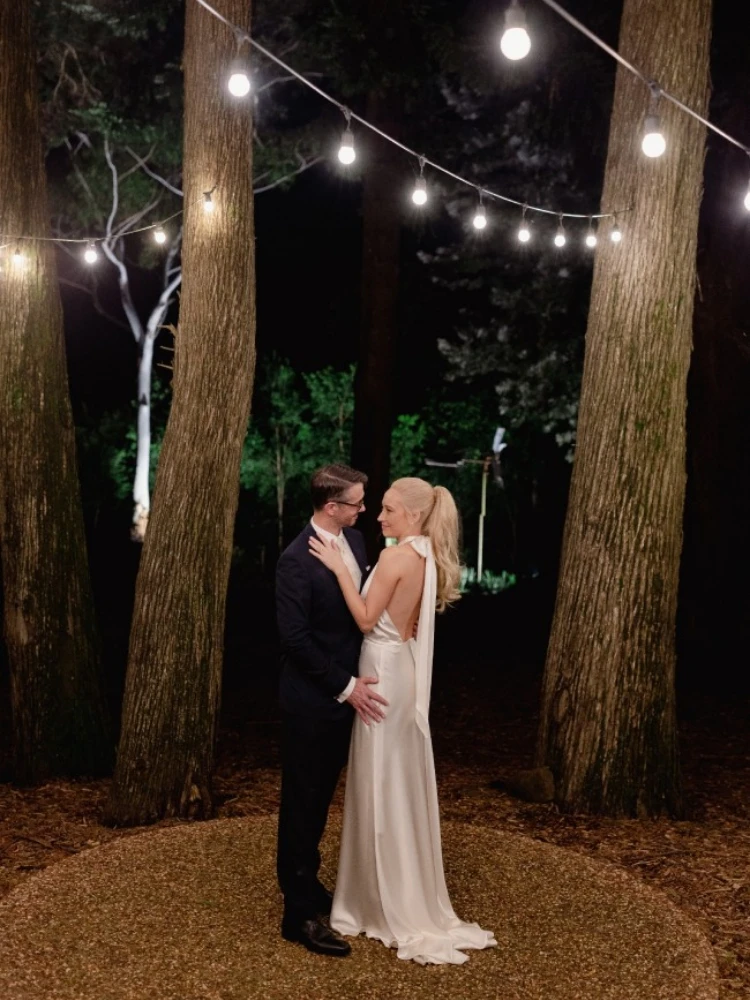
486,463
498,446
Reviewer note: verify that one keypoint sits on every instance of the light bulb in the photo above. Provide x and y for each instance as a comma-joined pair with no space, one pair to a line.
654,143
208,202
19,258
590,239
238,83
524,234
515,43
747,200
159,235
90,255
419,194
346,151
480,219
616,234
560,239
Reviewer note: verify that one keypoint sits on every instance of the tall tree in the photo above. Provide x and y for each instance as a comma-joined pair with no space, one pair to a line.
124,167
384,55
172,688
608,727
59,718
382,215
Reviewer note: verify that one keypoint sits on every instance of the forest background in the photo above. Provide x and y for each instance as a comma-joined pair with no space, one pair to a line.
489,333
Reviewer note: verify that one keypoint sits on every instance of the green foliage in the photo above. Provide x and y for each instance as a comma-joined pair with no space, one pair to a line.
490,583
299,422
106,449
408,442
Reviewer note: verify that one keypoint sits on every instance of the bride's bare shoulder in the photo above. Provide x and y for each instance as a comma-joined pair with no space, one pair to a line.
399,557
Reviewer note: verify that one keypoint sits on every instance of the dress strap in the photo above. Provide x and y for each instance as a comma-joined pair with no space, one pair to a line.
424,644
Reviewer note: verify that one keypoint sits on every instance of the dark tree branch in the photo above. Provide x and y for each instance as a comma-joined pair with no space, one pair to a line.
93,293
140,162
306,164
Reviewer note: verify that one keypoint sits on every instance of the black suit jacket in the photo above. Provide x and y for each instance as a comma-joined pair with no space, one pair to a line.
319,638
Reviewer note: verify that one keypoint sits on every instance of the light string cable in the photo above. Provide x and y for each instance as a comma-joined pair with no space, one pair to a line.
423,160
651,84
87,239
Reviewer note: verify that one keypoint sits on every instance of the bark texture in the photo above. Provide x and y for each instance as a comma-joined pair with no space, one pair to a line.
374,384
59,718
172,690
608,728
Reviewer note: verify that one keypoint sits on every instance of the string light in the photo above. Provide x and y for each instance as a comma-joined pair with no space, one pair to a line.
518,45
516,19
480,216
591,235
515,43
747,197
653,143
347,154
616,234
524,233
419,194
238,83
90,252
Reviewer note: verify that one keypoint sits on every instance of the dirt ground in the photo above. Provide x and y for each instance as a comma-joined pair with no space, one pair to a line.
484,724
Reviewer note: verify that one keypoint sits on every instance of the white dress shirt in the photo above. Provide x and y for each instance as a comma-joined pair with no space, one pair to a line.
356,574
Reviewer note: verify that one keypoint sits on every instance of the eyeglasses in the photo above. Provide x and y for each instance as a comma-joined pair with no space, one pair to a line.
347,503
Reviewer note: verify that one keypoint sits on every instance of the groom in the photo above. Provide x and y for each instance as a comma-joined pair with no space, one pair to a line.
319,693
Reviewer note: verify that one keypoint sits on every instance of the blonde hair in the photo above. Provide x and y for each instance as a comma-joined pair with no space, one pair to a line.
439,521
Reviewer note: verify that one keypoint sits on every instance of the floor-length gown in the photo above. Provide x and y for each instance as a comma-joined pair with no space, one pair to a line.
390,882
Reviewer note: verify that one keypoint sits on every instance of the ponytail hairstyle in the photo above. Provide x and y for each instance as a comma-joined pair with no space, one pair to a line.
438,519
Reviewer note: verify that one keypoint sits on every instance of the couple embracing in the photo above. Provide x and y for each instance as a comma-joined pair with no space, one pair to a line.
366,700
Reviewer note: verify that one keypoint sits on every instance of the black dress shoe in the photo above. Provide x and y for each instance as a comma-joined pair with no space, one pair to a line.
317,937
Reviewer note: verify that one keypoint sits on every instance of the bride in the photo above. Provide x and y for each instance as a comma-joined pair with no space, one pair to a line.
390,881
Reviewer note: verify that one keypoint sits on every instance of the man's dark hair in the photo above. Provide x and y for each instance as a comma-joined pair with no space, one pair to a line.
332,481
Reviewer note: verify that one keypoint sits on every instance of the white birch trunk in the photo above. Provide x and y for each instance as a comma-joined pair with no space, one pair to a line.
141,484
142,481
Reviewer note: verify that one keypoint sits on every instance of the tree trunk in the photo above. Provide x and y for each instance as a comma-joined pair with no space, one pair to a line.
608,727
376,369
141,483
59,718
280,493
172,689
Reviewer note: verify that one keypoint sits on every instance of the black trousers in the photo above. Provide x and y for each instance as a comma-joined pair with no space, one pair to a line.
313,753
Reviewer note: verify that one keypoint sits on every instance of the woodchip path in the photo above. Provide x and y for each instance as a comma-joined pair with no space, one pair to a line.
191,912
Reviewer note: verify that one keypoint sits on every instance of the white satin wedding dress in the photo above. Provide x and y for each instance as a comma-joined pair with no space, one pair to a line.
390,882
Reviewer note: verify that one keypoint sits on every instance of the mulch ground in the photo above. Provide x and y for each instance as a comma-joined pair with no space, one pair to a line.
192,913
484,725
